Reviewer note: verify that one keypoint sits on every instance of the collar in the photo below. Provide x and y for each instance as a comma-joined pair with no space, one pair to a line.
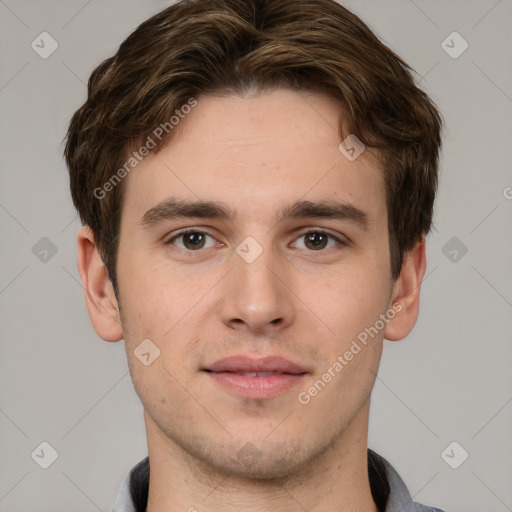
398,500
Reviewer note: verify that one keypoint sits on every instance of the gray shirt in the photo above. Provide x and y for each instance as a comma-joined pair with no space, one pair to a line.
399,499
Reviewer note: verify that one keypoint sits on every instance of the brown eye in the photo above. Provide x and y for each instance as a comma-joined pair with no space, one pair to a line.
193,240
190,240
318,240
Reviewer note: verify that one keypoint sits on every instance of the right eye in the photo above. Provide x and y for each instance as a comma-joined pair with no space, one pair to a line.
191,240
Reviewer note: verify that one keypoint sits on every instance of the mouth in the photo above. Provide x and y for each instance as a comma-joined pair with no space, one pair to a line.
256,374
261,378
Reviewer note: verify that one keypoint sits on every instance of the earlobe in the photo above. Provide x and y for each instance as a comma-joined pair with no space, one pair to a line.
99,293
406,293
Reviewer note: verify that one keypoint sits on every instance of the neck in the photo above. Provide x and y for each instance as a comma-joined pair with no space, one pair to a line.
334,479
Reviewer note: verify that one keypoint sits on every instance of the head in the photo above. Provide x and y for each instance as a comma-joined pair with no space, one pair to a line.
240,107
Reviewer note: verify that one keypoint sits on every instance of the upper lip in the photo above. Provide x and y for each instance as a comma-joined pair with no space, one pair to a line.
240,363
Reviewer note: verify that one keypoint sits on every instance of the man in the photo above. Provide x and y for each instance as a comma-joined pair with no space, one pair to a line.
256,180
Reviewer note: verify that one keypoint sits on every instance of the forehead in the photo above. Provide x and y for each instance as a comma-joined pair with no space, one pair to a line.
257,152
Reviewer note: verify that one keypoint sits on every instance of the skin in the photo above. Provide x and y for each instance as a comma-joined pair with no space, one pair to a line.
256,153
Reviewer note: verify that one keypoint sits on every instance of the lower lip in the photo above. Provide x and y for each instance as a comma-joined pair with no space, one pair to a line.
256,387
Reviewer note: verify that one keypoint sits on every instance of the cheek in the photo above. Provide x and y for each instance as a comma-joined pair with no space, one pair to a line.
162,306
350,305
350,301
152,300
157,316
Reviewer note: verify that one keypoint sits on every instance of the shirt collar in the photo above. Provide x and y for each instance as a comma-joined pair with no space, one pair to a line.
399,499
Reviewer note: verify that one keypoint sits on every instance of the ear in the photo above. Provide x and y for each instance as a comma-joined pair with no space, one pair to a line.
406,293
99,293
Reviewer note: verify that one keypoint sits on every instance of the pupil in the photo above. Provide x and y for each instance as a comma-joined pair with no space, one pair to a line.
193,240
317,239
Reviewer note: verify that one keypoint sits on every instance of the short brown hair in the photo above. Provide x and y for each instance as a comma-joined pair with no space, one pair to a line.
200,46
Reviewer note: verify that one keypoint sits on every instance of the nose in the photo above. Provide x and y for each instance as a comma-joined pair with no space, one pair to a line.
257,296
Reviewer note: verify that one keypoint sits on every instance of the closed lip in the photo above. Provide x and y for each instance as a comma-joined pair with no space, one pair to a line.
245,364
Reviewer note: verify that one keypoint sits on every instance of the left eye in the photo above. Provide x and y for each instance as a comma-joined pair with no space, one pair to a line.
318,240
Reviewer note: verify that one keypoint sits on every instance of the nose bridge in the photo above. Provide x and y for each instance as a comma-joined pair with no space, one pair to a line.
256,267
256,296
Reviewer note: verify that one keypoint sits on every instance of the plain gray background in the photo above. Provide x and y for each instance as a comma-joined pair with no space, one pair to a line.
449,381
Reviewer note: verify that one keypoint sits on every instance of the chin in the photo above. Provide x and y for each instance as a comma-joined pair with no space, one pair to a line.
269,466
271,462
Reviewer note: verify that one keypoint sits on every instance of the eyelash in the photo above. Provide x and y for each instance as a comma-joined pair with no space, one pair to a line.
310,231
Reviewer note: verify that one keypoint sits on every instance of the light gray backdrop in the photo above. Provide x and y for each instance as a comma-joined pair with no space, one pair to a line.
450,381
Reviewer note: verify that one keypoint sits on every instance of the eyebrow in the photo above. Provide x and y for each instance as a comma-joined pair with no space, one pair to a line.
172,208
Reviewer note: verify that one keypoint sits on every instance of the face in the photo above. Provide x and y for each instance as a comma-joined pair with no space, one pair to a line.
290,259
